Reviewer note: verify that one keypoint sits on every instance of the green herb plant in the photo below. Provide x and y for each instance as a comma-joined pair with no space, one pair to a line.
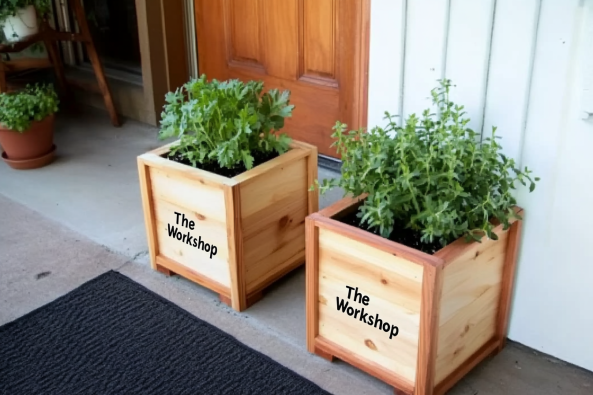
225,122
9,8
19,109
432,175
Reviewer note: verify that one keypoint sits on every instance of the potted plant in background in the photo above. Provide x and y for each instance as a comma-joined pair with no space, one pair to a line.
410,277
19,18
225,205
27,126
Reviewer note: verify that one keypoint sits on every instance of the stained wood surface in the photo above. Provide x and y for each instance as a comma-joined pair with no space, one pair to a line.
317,49
394,286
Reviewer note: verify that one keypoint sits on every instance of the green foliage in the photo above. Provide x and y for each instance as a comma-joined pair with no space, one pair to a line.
433,175
10,7
225,122
34,103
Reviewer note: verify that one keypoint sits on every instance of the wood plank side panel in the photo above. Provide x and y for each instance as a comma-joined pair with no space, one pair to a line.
448,383
394,287
273,208
472,286
318,49
203,204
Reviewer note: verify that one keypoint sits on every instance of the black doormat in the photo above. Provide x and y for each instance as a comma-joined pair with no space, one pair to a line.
114,336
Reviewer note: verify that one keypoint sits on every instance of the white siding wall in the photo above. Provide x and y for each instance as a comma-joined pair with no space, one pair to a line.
518,65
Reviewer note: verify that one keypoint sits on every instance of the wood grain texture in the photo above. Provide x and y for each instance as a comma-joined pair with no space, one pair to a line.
471,293
470,363
316,49
232,197
312,283
318,37
148,209
256,222
335,349
451,308
508,280
209,229
273,207
432,286
379,242
394,286
192,275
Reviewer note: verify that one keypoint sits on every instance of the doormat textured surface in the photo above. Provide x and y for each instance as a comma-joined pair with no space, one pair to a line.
114,336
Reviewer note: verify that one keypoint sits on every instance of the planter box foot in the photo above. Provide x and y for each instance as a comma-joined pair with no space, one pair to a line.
165,271
324,355
251,299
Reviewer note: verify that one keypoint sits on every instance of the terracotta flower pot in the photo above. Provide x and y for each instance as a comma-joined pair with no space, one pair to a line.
21,149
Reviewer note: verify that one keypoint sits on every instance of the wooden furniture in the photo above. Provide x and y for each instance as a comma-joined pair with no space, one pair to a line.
256,221
317,49
451,309
49,36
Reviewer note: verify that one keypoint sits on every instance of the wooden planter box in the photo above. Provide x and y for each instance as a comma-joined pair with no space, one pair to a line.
240,234
447,311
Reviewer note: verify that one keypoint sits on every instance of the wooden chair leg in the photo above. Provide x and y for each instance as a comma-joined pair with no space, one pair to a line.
2,78
58,66
95,61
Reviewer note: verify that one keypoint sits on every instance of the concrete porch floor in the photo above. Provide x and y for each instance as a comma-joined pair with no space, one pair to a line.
67,223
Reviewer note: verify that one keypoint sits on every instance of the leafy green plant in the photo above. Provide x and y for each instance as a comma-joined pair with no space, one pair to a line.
34,103
225,122
10,7
432,175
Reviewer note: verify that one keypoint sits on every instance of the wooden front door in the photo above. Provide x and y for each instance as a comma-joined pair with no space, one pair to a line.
317,49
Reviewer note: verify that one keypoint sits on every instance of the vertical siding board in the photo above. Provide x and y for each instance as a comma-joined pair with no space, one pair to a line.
425,52
387,51
513,44
468,54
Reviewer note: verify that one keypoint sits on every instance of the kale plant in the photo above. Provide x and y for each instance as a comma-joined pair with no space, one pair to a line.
225,122
34,103
432,175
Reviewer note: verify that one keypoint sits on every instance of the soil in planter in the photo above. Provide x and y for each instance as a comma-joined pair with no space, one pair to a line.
259,158
408,237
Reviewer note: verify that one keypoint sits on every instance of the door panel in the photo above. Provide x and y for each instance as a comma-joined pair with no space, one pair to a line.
317,49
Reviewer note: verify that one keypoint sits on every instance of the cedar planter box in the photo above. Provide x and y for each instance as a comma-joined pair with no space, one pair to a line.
236,236
440,315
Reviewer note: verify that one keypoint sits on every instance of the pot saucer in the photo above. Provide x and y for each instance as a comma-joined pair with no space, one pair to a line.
29,164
